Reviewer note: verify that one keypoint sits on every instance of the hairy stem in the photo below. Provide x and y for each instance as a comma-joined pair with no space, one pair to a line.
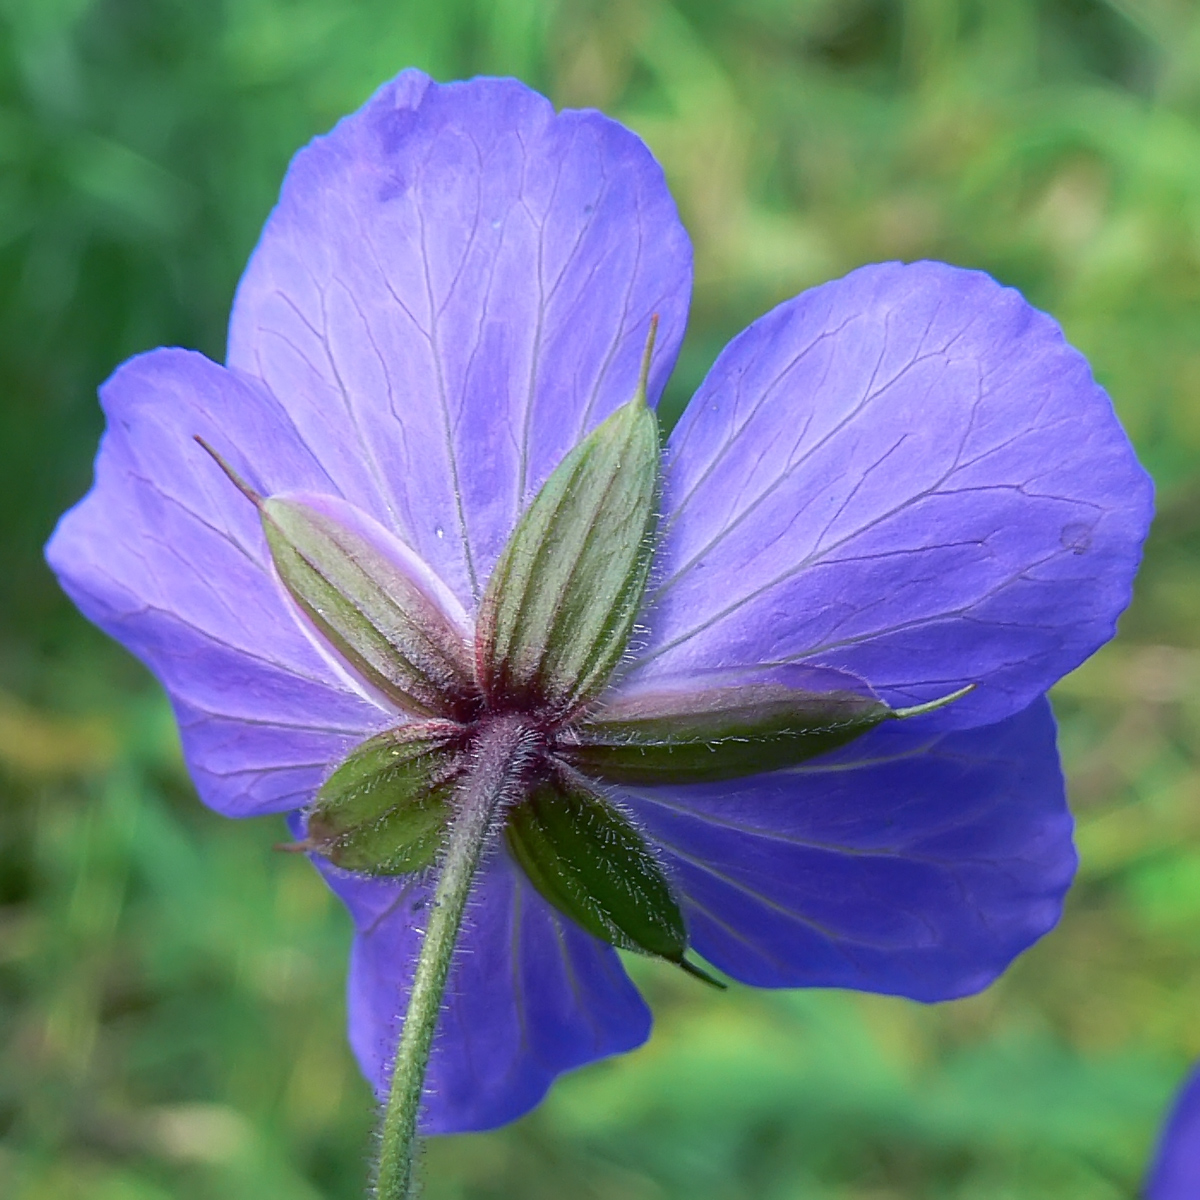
502,752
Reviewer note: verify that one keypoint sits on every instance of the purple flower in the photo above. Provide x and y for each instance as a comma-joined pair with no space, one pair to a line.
904,478
1175,1172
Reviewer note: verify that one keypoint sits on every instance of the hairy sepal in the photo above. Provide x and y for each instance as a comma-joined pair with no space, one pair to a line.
375,615
562,601
592,864
717,733
385,809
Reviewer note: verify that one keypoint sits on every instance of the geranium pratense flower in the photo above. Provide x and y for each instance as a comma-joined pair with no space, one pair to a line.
1175,1172
894,487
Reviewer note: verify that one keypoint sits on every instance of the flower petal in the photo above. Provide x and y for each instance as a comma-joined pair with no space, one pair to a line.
169,558
530,995
455,286
906,474
912,862
1175,1172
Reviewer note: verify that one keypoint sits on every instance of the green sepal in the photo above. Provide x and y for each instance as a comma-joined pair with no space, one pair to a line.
563,598
592,864
374,614
382,619
721,733
384,810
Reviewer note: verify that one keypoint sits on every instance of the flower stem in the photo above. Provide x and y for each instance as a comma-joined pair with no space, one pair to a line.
502,750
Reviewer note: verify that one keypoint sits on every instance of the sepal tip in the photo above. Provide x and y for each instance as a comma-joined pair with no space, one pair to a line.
301,847
233,477
919,710
647,355
696,972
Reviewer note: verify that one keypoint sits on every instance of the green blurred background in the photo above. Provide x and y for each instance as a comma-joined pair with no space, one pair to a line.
171,991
